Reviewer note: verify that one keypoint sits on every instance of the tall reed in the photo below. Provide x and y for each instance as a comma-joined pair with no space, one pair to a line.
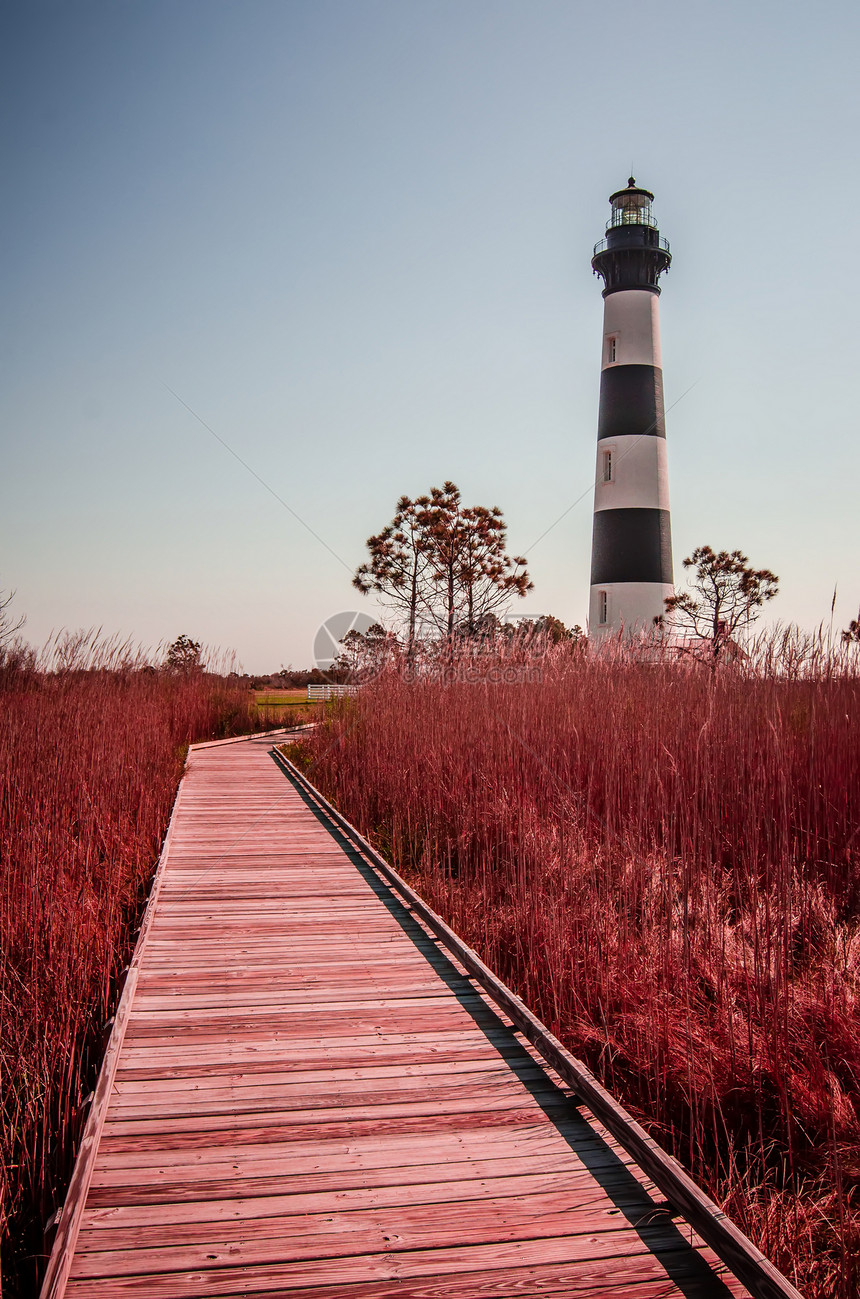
92,746
666,867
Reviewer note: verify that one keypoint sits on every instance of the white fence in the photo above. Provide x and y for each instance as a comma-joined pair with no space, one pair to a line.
316,693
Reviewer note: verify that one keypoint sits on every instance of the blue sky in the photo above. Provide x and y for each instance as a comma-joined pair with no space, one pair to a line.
355,239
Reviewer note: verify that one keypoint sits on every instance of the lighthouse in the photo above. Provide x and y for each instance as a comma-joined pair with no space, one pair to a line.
631,549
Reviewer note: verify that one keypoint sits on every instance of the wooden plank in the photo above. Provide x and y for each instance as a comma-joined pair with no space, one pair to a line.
239,1129
383,1163
175,1016
406,1076
188,1190
634,1277
355,1224
256,1052
344,1240
165,992
328,1144
239,1108
275,1100
575,1189
262,994
369,1269
256,1056
383,1083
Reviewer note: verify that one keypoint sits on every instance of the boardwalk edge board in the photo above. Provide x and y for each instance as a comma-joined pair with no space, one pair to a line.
285,731
740,1255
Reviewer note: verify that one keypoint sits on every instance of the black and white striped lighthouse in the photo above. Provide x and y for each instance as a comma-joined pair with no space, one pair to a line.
631,550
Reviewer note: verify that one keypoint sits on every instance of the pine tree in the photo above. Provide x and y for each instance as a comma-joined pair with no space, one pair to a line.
442,564
727,596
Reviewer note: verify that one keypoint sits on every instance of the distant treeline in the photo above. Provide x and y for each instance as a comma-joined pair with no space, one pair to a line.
291,678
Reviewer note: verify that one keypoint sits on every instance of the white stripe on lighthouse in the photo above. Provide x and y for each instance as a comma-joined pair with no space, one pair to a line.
631,317
630,606
631,472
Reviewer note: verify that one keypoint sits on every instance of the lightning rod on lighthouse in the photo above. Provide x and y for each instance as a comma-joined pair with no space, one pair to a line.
631,551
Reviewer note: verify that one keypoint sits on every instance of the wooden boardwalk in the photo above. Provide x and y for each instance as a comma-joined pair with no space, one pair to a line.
303,1095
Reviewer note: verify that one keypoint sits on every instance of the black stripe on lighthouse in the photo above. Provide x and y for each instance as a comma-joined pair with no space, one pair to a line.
631,402
631,545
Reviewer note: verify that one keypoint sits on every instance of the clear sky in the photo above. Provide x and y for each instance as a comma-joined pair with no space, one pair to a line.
354,237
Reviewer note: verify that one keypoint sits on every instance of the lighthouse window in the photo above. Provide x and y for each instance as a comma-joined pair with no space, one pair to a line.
607,466
611,350
602,607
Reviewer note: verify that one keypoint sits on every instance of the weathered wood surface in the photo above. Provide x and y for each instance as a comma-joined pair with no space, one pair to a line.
304,1095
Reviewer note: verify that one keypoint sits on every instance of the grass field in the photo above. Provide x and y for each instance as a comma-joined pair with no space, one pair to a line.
668,871
283,707
280,698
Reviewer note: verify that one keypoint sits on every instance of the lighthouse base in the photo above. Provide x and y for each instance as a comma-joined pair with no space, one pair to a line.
626,607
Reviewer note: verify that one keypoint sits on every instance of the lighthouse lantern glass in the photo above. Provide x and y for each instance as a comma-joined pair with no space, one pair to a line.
632,208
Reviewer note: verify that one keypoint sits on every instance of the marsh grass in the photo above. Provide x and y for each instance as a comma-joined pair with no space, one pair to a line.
666,868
